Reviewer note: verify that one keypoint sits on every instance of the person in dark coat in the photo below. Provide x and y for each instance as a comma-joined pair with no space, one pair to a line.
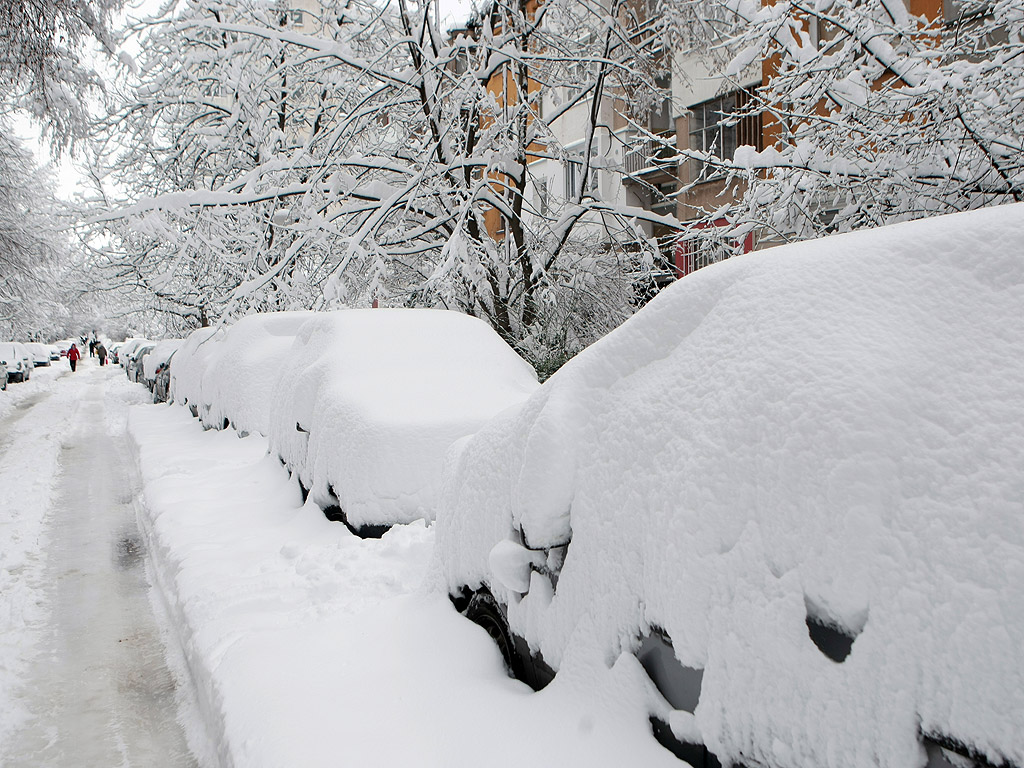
73,356
101,353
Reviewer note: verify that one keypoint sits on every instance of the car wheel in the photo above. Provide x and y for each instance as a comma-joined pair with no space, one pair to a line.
484,610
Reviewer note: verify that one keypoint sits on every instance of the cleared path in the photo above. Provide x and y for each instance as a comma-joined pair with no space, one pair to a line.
99,691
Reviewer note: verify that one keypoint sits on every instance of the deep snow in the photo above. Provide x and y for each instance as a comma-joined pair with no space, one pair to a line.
312,647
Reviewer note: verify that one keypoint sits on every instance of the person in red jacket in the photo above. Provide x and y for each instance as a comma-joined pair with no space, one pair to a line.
73,355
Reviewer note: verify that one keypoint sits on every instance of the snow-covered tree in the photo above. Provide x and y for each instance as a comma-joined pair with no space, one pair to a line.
872,114
33,248
42,71
367,155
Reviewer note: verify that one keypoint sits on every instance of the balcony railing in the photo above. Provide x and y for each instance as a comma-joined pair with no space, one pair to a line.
647,156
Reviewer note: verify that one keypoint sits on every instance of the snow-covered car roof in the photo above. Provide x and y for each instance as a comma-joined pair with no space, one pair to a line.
129,346
825,433
160,354
239,382
39,351
11,351
380,395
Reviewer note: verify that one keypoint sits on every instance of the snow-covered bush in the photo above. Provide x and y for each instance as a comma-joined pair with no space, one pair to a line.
370,400
821,437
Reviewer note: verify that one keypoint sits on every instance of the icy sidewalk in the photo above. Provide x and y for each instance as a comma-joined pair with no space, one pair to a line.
310,647
31,434
92,688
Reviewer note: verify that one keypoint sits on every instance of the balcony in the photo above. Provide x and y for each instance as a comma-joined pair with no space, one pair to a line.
647,159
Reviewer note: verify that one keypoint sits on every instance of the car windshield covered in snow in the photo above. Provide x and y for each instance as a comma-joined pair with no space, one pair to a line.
791,487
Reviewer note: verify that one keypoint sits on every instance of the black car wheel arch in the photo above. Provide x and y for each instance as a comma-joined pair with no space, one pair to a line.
481,607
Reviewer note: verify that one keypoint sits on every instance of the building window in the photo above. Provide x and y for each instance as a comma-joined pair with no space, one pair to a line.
572,176
573,171
712,130
290,17
541,185
720,125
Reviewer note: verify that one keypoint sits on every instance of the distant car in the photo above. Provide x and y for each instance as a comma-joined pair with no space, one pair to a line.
40,354
54,352
368,402
127,350
17,359
784,499
112,351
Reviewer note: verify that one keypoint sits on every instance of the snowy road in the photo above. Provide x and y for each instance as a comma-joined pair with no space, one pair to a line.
84,664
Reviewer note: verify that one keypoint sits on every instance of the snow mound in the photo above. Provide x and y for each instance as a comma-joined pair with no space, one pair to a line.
240,379
825,434
372,399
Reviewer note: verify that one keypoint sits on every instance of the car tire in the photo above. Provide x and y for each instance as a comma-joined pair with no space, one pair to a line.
484,611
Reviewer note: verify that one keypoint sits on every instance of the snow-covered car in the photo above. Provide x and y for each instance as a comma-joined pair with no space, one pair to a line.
40,354
788,493
157,361
133,364
18,360
239,381
54,352
369,401
125,351
3,376
190,363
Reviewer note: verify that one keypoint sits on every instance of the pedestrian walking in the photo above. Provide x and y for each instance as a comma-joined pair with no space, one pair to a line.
73,356
92,347
101,353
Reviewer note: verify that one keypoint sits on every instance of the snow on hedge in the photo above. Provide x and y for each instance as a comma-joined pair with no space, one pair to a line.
830,429
240,379
190,364
379,395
